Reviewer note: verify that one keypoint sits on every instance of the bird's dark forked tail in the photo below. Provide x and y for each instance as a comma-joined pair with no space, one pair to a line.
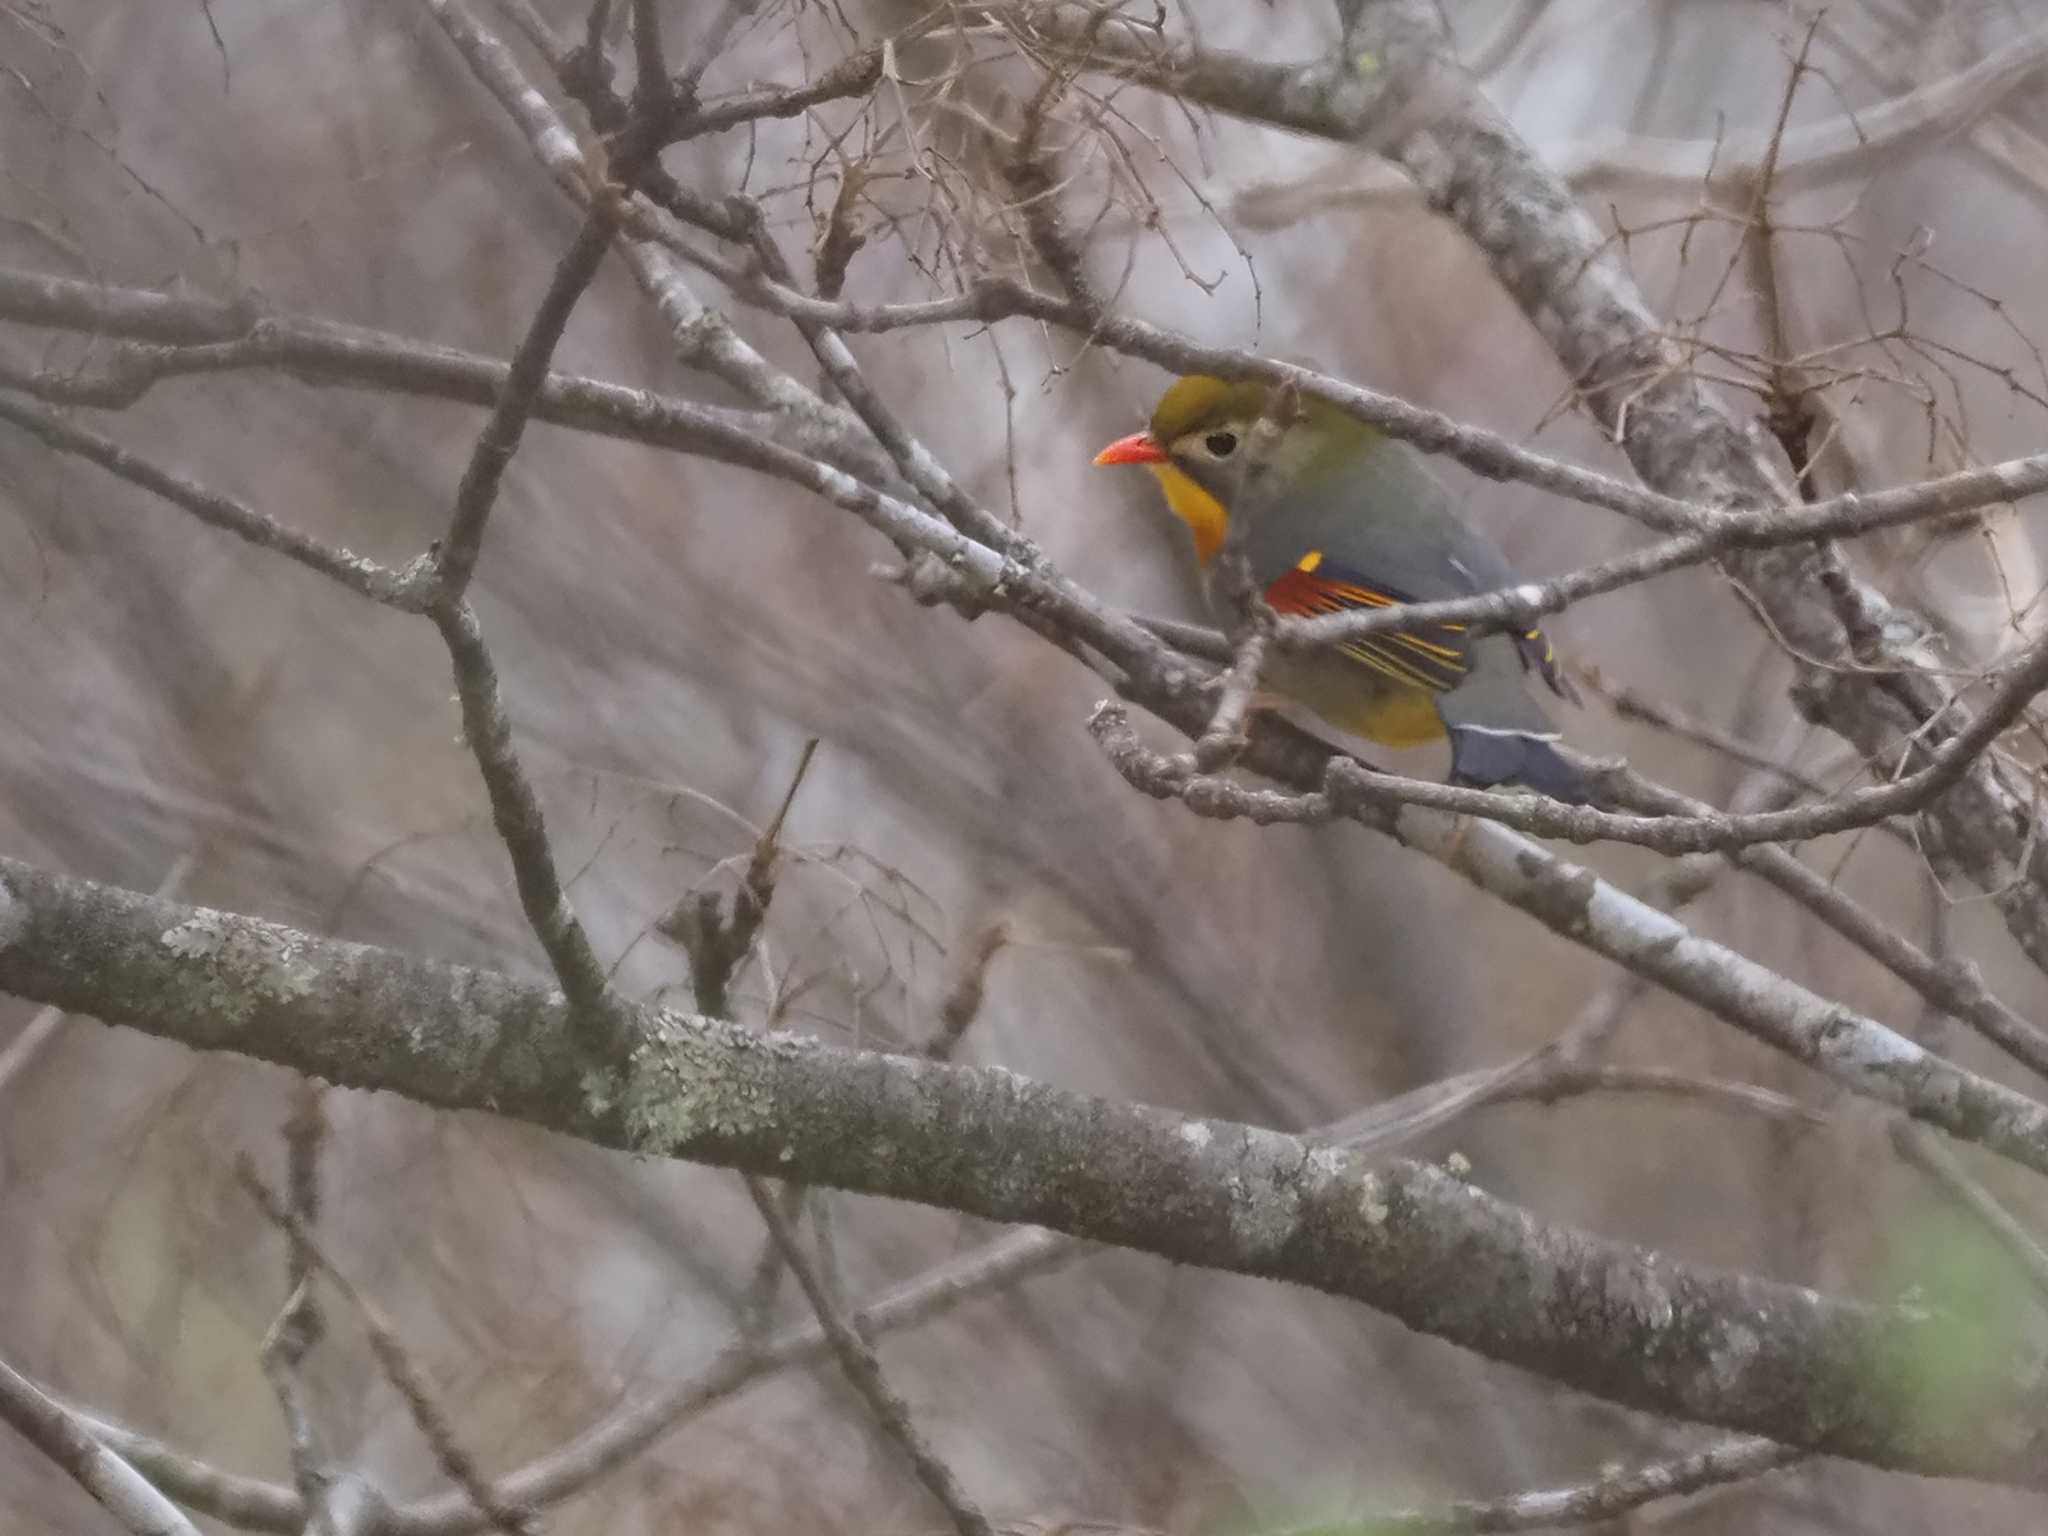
1486,759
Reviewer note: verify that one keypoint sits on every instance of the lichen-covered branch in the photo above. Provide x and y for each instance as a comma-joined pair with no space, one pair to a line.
1442,1256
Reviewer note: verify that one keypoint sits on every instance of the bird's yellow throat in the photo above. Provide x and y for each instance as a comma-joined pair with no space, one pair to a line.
1203,513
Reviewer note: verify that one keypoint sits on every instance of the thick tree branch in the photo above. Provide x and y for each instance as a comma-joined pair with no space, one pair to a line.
1445,1258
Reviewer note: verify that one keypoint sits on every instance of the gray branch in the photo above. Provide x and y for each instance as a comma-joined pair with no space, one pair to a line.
1443,1257
117,1487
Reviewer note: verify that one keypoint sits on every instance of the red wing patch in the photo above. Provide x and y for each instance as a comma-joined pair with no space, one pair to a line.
1434,657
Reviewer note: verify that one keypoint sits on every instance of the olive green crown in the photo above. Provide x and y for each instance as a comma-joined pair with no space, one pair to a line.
1199,401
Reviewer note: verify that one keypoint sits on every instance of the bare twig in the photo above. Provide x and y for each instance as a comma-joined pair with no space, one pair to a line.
606,1445
702,336
516,812
1611,1496
397,1365
1571,1058
858,1361
1927,1153
568,1468
300,1326
962,1005
478,492
718,941
247,1502
1694,833
279,1355
1857,1051
1953,986
1812,156
399,589
116,1486
1637,704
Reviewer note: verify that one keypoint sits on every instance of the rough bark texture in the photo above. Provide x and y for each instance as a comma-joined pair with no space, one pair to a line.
1410,1239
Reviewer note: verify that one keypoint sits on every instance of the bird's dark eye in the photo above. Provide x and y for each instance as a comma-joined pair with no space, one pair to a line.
1221,444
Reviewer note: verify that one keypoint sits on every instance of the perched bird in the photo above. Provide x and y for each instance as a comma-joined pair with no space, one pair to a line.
1338,516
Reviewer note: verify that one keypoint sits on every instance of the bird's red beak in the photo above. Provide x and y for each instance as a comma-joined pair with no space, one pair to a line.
1138,448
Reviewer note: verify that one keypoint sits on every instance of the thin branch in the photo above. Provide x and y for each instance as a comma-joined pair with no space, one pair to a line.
653,91
858,1361
1618,161
397,1365
1643,708
250,1503
301,1324
1953,986
1930,1156
855,75
1702,832
478,492
1816,154
114,1485
516,812
962,1005
1671,888
1610,1496
327,352
404,590
1558,1078
703,338
610,1443
1854,1050
278,1355
569,1468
